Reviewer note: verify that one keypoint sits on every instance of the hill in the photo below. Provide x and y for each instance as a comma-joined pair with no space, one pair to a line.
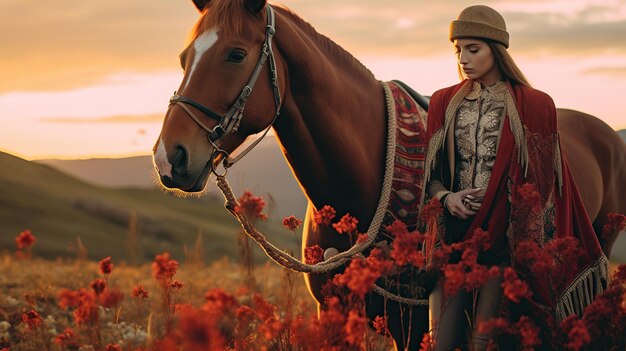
263,171
127,223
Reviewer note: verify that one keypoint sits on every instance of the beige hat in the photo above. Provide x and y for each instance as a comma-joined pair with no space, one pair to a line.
480,21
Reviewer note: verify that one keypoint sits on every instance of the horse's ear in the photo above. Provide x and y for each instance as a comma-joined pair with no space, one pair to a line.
201,4
255,6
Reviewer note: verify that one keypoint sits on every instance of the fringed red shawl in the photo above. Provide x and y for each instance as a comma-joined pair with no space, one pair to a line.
528,152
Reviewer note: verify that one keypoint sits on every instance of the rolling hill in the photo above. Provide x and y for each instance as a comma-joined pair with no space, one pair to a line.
263,171
129,224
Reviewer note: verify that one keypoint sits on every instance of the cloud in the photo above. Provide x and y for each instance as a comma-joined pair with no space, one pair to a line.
610,71
65,44
152,118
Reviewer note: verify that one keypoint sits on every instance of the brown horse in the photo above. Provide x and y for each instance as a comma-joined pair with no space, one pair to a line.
331,128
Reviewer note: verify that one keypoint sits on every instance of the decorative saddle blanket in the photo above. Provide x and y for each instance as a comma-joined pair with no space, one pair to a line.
410,155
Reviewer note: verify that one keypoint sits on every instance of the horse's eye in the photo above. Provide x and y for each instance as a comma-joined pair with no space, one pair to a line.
237,56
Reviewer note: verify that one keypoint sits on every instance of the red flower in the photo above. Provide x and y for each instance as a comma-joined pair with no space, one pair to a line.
533,259
359,277
577,333
616,222
380,261
355,328
32,319
87,311
313,254
529,332
111,298
397,228
405,248
494,326
164,268
454,278
113,347
380,325
25,239
176,284
292,223
106,266
346,224
219,300
427,343
139,292
98,286
324,215
514,288
431,211
67,339
251,206
68,298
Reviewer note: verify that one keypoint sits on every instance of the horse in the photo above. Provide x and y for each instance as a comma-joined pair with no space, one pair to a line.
328,113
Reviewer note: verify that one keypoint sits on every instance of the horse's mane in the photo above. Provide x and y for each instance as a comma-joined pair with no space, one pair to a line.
228,16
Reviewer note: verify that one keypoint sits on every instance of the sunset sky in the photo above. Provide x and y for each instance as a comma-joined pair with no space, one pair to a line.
91,78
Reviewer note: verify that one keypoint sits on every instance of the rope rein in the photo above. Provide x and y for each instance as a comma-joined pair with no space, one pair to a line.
288,261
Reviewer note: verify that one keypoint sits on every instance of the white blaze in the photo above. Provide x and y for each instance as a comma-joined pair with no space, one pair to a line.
160,159
201,45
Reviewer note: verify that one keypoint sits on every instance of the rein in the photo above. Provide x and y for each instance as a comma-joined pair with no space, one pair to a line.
228,123
286,260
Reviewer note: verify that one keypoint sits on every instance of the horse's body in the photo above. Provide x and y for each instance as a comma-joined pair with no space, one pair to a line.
332,132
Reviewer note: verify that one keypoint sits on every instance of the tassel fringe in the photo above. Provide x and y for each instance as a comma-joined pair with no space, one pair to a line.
583,289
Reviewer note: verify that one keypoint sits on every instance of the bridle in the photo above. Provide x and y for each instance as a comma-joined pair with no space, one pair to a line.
228,123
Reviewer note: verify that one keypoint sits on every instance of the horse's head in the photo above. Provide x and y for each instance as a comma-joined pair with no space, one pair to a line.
206,119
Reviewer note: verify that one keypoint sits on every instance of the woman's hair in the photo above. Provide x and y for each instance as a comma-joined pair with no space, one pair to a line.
507,67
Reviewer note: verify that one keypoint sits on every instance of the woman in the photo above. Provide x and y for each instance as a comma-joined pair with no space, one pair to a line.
488,136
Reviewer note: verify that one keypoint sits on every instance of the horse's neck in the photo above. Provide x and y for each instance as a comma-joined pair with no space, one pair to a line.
332,128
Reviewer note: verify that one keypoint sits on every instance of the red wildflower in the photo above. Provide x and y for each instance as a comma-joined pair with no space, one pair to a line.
361,238
566,253
577,333
245,314
514,288
176,284
139,292
380,261
427,342
98,286
219,300
397,228
111,298
405,248
529,332
25,239
380,325
431,211
164,268
355,328
359,277
87,311
616,222
292,223
454,278
66,339
346,224
113,347
533,259
106,266
32,319
264,309
251,206
313,254
324,215
68,298
199,330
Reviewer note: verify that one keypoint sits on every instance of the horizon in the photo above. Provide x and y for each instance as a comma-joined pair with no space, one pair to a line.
92,80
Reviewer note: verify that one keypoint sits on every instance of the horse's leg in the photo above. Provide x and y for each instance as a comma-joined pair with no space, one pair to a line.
407,324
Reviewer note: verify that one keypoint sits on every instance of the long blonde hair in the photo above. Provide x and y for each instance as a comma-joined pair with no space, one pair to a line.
506,65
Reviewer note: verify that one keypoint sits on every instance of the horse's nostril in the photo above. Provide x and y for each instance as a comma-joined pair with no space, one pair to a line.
180,160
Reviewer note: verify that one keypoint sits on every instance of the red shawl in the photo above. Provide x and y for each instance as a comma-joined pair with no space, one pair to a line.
528,152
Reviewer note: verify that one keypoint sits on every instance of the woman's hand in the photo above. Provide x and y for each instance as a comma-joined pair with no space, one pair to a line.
464,203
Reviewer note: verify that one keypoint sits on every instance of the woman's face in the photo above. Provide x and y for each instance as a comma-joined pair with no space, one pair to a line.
476,60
